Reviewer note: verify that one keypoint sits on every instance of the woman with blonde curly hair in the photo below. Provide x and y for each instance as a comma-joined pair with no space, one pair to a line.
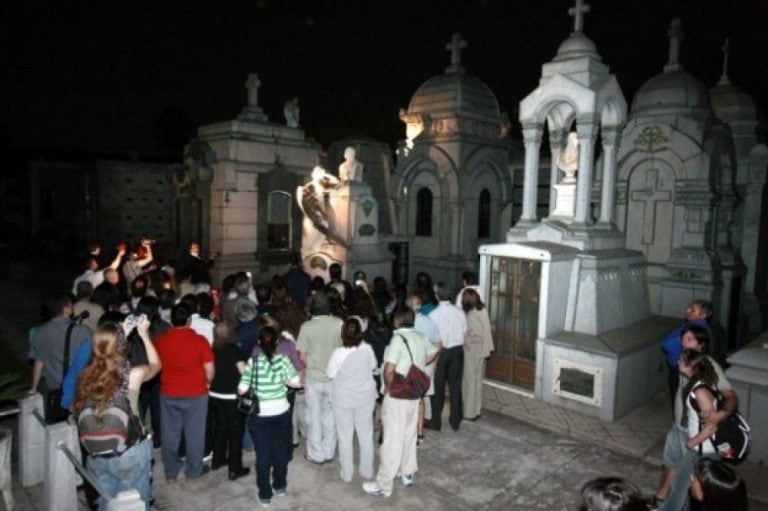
107,380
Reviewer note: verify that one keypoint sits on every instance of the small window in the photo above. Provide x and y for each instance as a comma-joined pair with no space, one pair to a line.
424,212
279,221
484,215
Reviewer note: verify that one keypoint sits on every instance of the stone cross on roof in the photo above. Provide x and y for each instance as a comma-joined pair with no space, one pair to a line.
578,11
455,46
724,80
675,34
252,86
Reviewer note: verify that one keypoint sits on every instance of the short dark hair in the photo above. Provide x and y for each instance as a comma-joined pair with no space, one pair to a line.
469,277
319,304
334,271
190,300
56,303
706,307
403,317
611,494
180,315
263,293
351,332
700,333
150,306
139,286
360,275
204,304
84,289
242,283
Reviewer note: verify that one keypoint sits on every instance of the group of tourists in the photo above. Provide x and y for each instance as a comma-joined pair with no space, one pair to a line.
243,367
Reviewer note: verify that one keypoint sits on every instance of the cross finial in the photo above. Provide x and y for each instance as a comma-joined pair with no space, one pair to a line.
455,46
252,86
578,11
675,34
724,80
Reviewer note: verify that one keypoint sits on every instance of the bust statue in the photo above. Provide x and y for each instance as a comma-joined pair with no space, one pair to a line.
568,160
350,169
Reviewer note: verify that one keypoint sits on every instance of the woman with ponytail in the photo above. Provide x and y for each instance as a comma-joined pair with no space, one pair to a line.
266,375
107,379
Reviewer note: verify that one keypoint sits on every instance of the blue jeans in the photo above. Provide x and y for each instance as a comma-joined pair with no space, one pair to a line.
272,441
682,460
187,414
131,470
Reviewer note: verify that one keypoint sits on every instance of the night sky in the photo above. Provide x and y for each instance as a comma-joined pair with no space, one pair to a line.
118,76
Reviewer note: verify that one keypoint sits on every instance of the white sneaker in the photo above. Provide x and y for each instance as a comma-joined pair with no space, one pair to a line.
374,489
407,479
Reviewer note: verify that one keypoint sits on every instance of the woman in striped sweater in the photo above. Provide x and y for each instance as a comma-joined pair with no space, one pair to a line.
268,374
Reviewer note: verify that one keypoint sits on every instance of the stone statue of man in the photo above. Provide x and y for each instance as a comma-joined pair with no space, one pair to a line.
568,160
350,169
291,112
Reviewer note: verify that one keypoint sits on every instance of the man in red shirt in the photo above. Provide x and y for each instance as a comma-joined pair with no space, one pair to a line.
187,361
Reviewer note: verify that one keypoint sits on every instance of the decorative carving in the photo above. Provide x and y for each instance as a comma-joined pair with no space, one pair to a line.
366,230
651,136
367,206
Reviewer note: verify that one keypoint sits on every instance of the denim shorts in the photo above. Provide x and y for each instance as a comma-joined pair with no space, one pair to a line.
674,447
129,471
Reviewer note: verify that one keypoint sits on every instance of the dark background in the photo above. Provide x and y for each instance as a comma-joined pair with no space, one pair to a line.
140,76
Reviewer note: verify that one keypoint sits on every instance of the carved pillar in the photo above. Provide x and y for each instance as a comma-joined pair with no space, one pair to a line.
609,138
532,141
586,132
556,138
456,223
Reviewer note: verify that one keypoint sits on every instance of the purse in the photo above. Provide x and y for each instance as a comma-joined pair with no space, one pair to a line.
415,383
248,403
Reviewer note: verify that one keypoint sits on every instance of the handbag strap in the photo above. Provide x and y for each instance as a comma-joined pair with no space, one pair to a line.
67,343
254,383
407,347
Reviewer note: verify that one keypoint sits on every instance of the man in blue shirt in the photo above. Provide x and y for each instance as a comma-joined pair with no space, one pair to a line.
699,312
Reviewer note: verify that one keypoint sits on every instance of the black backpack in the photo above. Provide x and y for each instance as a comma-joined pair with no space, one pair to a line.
113,432
732,439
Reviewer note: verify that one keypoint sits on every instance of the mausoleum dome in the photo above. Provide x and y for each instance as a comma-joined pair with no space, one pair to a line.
455,92
672,90
577,45
731,103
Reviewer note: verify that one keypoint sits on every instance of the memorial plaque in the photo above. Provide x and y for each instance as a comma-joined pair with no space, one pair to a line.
577,382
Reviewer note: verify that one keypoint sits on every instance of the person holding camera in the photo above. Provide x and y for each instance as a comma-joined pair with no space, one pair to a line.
139,260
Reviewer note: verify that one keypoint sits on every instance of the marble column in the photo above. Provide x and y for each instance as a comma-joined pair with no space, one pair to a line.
556,138
609,138
456,224
532,141
586,132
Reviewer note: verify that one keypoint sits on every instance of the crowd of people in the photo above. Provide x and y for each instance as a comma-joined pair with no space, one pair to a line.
219,371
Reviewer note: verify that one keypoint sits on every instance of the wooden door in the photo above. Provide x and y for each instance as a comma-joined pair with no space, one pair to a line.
514,312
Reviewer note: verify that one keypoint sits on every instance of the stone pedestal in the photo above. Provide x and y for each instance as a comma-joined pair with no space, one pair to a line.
749,376
61,478
6,441
127,501
31,441
565,200
353,214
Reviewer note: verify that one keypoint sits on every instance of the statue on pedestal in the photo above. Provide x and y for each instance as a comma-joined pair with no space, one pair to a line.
350,169
568,160
291,112
318,217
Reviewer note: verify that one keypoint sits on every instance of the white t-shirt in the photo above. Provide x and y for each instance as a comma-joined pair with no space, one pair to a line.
202,326
451,323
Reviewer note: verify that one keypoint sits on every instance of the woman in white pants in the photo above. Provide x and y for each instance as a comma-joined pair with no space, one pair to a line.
353,396
478,344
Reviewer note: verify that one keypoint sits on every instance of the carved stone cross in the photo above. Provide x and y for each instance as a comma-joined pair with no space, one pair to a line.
578,11
650,197
455,46
675,34
252,86
726,54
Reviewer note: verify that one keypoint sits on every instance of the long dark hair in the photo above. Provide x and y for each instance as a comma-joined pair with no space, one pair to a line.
702,370
722,486
351,332
611,494
268,341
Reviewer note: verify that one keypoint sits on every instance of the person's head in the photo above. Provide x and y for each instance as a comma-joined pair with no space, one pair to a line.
84,290
423,280
414,302
718,486
339,289
245,311
59,305
280,294
263,293
112,276
204,304
697,366
150,307
360,276
194,249
380,285
242,284
695,337
468,278
139,286
611,494
190,301
699,310
317,284
349,153
403,318
103,375
271,321
295,260
167,298
223,334
180,315
319,304
334,271
362,303
291,316
91,263
471,300
139,253
94,248
442,291
268,337
228,284
351,332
